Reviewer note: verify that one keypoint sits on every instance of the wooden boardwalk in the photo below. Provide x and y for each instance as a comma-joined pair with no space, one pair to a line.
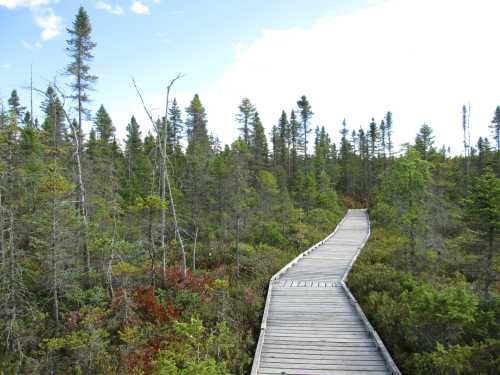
312,324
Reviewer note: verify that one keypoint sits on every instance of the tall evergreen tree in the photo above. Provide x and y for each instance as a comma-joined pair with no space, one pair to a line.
305,115
424,141
80,46
294,142
495,127
104,126
175,125
245,117
388,131
258,147
198,156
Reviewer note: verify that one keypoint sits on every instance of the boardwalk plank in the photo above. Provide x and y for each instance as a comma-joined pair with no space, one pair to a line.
311,325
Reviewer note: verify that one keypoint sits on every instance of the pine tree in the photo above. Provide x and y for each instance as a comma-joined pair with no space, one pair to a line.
388,131
282,151
80,46
373,137
383,137
175,126
294,142
305,115
258,147
424,141
15,105
482,208
245,117
198,155
104,126
346,159
53,126
495,127
137,176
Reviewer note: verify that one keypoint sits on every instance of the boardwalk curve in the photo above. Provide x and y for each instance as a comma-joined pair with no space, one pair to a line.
312,324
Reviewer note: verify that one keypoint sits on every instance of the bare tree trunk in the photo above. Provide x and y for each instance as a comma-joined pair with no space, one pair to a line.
165,178
238,246
11,245
165,161
2,232
83,204
194,247
54,263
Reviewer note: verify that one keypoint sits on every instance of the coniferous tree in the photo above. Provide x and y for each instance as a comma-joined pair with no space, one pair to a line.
53,127
482,214
104,126
175,126
258,147
245,117
80,46
282,152
15,105
388,131
495,126
294,137
305,115
373,140
424,141
383,139
198,155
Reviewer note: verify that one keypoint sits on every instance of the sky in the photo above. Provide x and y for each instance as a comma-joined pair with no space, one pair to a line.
353,59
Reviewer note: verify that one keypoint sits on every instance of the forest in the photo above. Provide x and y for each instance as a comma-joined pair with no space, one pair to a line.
152,254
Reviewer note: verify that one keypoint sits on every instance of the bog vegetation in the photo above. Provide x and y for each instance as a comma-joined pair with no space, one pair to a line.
152,255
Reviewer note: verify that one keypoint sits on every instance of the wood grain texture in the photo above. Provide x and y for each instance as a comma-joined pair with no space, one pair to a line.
312,323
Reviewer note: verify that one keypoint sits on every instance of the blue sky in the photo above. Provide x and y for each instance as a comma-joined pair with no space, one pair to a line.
350,57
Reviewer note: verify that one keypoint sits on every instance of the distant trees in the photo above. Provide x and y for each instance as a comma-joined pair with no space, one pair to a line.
153,255
402,198
482,214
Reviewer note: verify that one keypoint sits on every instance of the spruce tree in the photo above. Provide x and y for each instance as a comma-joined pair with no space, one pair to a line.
258,147
245,117
495,127
80,46
175,125
305,115
104,126
424,141
388,131
15,105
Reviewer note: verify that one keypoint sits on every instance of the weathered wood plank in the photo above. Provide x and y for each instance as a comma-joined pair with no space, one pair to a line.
311,325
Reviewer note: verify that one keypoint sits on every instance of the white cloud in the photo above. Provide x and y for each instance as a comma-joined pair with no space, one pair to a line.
49,22
44,16
116,9
11,4
139,8
4,66
420,59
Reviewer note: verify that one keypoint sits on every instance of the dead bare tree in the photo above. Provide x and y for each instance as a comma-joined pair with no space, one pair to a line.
82,195
165,184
